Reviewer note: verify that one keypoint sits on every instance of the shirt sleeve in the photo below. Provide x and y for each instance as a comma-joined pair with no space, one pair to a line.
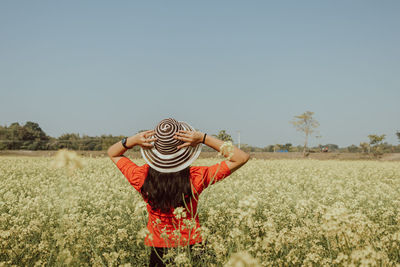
203,176
135,174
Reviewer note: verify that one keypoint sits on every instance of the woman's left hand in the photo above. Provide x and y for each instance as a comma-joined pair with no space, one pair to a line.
191,138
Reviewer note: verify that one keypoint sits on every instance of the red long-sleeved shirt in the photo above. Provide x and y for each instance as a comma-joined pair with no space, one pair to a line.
200,177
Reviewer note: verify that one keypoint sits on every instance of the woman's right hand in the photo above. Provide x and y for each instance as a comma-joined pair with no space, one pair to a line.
190,138
142,139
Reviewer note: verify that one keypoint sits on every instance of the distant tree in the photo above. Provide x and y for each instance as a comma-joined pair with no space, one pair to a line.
69,136
29,136
69,141
14,135
269,148
248,148
11,136
398,135
33,136
365,147
376,143
385,147
3,137
34,131
307,124
277,147
352,149
224,136
287,146
108,140
376,139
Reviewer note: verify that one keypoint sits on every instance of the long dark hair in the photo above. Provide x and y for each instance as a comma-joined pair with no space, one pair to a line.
165,191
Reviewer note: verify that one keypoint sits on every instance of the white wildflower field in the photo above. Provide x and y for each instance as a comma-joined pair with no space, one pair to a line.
269,212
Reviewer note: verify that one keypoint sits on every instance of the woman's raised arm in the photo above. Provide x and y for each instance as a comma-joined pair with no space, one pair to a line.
192,138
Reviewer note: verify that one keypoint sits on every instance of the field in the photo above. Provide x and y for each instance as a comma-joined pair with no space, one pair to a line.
274,212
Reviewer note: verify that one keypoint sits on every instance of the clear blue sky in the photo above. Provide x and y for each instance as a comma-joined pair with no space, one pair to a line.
115,67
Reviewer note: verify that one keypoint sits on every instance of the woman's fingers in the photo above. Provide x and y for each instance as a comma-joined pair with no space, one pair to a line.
184,139
147,145
145,140
149,133
182,134
183,145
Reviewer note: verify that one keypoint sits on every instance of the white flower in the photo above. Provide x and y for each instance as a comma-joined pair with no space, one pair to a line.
226,150
164,234
242,259
182,260
122,234
179,213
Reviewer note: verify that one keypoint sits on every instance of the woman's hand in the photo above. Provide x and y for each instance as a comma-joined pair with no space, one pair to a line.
191,138
143,139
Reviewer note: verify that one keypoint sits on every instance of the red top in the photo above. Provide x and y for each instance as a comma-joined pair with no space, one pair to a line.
200,178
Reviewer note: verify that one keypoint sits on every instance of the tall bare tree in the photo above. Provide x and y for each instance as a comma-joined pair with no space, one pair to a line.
307,124
398,135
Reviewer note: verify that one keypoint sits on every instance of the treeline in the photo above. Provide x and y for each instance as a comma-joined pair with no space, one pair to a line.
31,137
376,146
362,148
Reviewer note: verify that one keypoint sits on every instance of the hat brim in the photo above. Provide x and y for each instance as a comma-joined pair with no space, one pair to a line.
175,162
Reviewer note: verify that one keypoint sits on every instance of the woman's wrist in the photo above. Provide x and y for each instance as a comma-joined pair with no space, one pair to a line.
131,141
199,138
203,141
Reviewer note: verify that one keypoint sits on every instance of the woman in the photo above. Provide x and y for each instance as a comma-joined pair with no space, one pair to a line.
168,184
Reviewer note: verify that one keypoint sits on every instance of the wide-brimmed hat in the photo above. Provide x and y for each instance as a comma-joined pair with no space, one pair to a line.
164,156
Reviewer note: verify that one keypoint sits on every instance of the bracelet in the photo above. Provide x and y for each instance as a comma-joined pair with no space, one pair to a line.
204,138
123,141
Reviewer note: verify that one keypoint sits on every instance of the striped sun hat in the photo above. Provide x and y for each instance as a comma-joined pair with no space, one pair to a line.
164,156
